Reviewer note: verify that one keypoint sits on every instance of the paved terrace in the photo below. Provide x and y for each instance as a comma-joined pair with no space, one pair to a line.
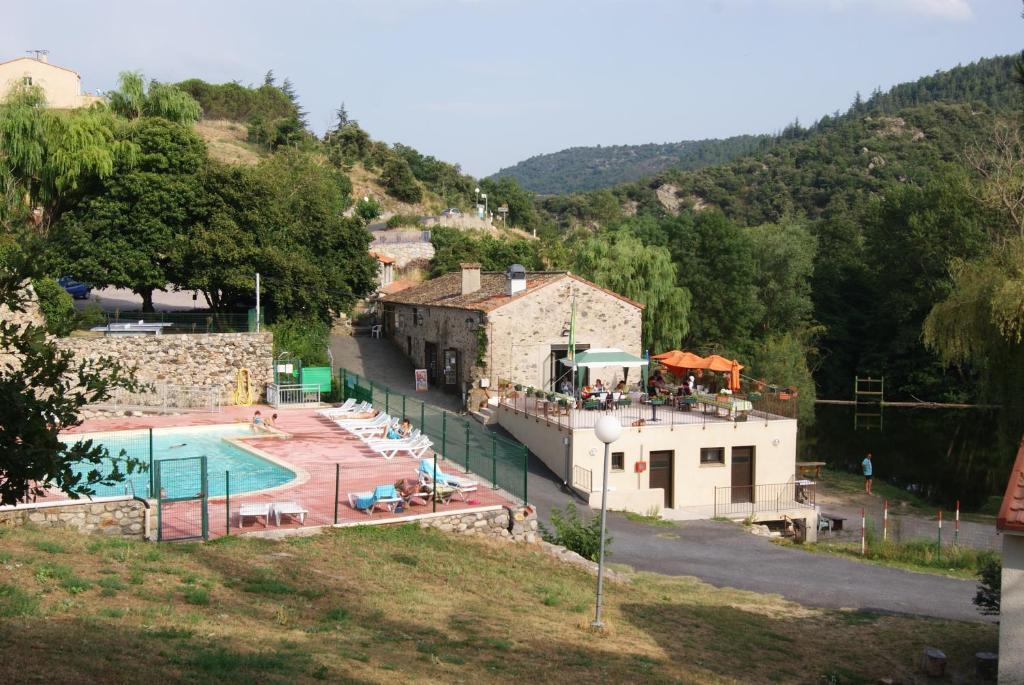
316,449
636,414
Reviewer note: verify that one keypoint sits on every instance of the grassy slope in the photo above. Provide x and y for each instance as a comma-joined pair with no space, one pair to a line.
380,604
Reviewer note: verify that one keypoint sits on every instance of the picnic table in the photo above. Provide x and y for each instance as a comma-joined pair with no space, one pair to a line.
806,467
734,407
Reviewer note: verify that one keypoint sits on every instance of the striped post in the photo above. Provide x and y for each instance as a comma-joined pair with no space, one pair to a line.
863,537
956,529
939,551
885,522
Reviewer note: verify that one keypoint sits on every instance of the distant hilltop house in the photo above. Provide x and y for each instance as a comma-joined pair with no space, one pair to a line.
472,326
61,86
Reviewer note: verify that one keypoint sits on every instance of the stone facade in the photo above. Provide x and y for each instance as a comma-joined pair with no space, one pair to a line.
111,516
206,360
406,252
517,525
415,326
521,334
31,315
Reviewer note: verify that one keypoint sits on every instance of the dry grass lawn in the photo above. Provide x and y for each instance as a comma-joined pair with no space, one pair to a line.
401,604
227,142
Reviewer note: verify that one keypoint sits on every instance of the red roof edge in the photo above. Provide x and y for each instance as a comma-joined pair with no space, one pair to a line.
1011,511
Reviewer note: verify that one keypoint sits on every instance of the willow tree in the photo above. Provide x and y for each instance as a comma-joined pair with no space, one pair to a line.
134,99
645,273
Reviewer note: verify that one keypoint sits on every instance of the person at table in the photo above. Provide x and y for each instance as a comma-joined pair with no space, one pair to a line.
565,387
691,384
621,387
599,387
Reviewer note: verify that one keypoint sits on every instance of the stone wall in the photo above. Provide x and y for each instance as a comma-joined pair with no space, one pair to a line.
444,326
522,332
518,525
405,253
206,360
31,315
111,516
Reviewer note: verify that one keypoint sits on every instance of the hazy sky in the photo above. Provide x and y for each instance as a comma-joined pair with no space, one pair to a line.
486,83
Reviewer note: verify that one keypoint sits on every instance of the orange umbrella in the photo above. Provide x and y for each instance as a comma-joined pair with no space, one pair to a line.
678,362
722,365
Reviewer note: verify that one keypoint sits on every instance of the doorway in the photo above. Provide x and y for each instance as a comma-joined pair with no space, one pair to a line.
560,371
430,362
661,474
742,474
451,370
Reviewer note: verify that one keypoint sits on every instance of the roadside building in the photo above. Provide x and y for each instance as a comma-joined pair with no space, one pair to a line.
1011,609
61,86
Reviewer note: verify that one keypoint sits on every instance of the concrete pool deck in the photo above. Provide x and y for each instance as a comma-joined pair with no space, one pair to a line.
327,461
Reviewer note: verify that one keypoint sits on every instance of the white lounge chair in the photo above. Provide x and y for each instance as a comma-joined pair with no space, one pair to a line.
254,511
462,486
373,430
293,509
416,447
345,408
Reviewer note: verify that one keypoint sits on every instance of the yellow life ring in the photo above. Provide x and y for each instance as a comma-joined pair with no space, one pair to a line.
243,395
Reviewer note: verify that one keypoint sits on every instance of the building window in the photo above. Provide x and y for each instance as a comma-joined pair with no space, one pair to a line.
712,455
618,461
27,80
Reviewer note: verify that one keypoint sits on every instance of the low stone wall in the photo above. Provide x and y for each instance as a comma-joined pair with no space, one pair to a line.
110,516
207,360
405,253
517,525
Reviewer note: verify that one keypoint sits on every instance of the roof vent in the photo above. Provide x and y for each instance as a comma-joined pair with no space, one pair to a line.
515,279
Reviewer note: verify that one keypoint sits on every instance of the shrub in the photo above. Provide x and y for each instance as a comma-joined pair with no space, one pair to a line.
398,180
368,209
990,576
57,306
397,220
305,337
572,532
16,602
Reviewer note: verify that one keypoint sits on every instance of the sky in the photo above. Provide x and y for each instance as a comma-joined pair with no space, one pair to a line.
488,83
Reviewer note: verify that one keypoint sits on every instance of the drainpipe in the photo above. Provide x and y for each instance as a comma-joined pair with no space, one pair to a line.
145,518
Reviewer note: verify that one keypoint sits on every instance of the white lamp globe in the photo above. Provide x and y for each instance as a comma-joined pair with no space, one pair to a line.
607,429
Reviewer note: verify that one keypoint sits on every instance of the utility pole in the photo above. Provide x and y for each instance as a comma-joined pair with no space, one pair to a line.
257,301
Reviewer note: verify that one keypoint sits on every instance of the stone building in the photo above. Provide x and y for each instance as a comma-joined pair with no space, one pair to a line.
61,86
475,328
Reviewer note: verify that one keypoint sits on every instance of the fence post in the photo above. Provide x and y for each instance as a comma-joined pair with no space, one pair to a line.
938,552
467,446
494,461
444,431
152,483
956,530
387,400
337,485
403,407
526,471
344,383
423,423
433,484
227,503
863,539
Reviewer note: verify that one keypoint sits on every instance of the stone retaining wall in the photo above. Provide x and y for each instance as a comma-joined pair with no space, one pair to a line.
122,516
511,524
206,360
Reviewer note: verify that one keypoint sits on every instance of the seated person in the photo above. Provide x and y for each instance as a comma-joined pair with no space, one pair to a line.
404,429
565,387
599,386
621,387
362,415
412,491
586,391
257,422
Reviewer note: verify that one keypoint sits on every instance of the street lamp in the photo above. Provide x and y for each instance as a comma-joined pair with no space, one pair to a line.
607,429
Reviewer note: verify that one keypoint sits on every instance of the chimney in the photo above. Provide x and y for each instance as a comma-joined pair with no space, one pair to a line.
470,277
515,278
44,58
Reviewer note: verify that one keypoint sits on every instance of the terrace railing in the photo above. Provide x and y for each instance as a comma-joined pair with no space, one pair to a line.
180,322
749,500
582,478
294,395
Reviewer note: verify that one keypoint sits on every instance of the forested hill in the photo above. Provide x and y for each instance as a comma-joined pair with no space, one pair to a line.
582,169
590,168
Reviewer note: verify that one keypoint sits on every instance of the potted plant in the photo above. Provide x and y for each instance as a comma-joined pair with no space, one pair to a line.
518,387
539,394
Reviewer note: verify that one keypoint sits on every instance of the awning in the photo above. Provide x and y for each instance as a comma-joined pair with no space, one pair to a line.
606,356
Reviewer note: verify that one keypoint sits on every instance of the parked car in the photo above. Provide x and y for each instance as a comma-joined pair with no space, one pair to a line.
451,211
79,291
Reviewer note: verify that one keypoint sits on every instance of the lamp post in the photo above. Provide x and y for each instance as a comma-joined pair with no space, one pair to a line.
607,429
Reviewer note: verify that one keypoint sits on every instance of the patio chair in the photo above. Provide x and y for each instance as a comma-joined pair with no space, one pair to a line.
293,509
591,403
254,511
416,447
382,496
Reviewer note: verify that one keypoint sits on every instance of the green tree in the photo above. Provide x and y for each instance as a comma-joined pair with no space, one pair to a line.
134,99
56,305
644,273
784,257
399,182
522,212
125,233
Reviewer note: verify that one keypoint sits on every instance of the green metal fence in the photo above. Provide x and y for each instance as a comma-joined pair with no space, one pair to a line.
501,461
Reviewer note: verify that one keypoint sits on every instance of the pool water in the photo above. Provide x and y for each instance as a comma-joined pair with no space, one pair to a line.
179,471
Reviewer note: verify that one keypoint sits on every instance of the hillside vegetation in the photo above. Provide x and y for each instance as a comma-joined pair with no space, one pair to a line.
387,604
581,169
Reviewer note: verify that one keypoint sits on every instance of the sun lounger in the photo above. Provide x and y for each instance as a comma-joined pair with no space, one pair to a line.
348,423
416,447
428,475
254,511
382,496
331,411
370,431
346,411
293,509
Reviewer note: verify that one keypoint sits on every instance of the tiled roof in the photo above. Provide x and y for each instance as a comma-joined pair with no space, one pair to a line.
383,258
396,286
446,290
1011,513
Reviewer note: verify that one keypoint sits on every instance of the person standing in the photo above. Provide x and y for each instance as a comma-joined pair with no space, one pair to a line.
866,465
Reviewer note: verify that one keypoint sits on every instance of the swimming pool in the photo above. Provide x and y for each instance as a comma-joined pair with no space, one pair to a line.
248,472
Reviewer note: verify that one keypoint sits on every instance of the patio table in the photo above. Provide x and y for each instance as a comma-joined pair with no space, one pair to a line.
654,409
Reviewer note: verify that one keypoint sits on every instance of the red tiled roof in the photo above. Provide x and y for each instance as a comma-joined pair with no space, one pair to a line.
446,290
396,286
1011,513
383,258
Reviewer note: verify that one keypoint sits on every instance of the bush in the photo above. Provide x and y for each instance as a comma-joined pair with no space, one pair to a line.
990,576
57,306
368,209
397,220
582,537
304,337
398,180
